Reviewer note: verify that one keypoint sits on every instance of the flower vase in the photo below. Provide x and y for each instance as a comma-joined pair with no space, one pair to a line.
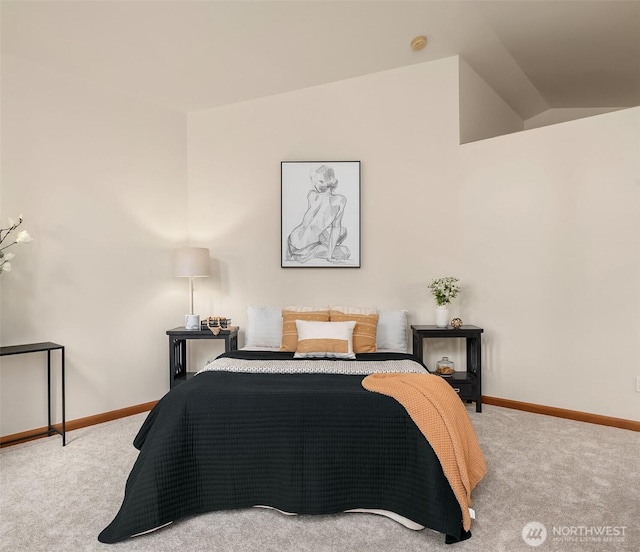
442,316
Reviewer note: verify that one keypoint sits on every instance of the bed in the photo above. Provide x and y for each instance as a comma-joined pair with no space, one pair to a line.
304,431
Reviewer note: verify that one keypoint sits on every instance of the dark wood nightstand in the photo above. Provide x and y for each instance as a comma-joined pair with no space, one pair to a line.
178,337
467,384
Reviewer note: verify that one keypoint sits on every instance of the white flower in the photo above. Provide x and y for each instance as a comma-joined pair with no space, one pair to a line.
444,289
23,237
6,238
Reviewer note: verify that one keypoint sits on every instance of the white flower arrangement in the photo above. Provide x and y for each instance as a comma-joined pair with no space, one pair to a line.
444,289
21,237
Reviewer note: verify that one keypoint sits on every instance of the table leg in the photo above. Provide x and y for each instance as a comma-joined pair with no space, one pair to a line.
177,359
48,392
231,343
417,347
64,419
474,364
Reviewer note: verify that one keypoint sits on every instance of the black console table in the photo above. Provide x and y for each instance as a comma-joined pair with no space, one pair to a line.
178,337
38,348
467,384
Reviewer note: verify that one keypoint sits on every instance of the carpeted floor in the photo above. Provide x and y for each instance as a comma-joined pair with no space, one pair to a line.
580,481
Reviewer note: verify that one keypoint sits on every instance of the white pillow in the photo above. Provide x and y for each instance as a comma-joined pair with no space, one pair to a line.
264,327
354,310
392,333
324,339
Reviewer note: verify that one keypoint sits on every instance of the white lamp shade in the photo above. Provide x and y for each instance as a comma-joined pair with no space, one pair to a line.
192,262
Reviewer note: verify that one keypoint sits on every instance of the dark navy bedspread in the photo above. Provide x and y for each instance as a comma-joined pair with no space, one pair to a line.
304,443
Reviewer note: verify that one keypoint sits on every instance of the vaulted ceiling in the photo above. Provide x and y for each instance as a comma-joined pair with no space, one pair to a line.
192,55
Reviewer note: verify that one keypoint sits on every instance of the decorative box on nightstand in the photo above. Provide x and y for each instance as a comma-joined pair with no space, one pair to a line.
467,384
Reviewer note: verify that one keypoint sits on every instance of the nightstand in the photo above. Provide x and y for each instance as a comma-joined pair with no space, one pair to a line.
467,384
178,337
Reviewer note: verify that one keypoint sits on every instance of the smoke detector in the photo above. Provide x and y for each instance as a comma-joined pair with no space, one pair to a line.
419,42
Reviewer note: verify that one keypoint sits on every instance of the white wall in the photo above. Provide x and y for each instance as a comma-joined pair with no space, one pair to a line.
561,115
535,223
100,180
550,249
483,114
401,124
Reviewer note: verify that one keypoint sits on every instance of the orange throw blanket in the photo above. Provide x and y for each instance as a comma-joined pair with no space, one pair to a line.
443,419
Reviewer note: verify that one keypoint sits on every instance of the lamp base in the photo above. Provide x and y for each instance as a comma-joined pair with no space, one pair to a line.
192,322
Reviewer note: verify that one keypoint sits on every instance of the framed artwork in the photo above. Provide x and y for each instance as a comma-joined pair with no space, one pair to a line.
320,224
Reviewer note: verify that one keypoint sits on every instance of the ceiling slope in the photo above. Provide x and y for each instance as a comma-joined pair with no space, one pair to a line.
192,55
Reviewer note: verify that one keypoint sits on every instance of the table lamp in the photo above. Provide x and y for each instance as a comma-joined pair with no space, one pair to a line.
192,262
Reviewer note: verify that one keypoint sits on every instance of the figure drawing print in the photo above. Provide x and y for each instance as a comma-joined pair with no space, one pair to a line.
321,214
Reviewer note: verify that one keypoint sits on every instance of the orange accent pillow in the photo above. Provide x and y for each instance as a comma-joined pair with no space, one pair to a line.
289,317
364,333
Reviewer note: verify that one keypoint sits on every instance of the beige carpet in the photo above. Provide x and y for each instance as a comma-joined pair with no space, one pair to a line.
580,481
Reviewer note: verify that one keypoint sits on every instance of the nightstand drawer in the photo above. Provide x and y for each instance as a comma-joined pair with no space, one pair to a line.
463,383
465,390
